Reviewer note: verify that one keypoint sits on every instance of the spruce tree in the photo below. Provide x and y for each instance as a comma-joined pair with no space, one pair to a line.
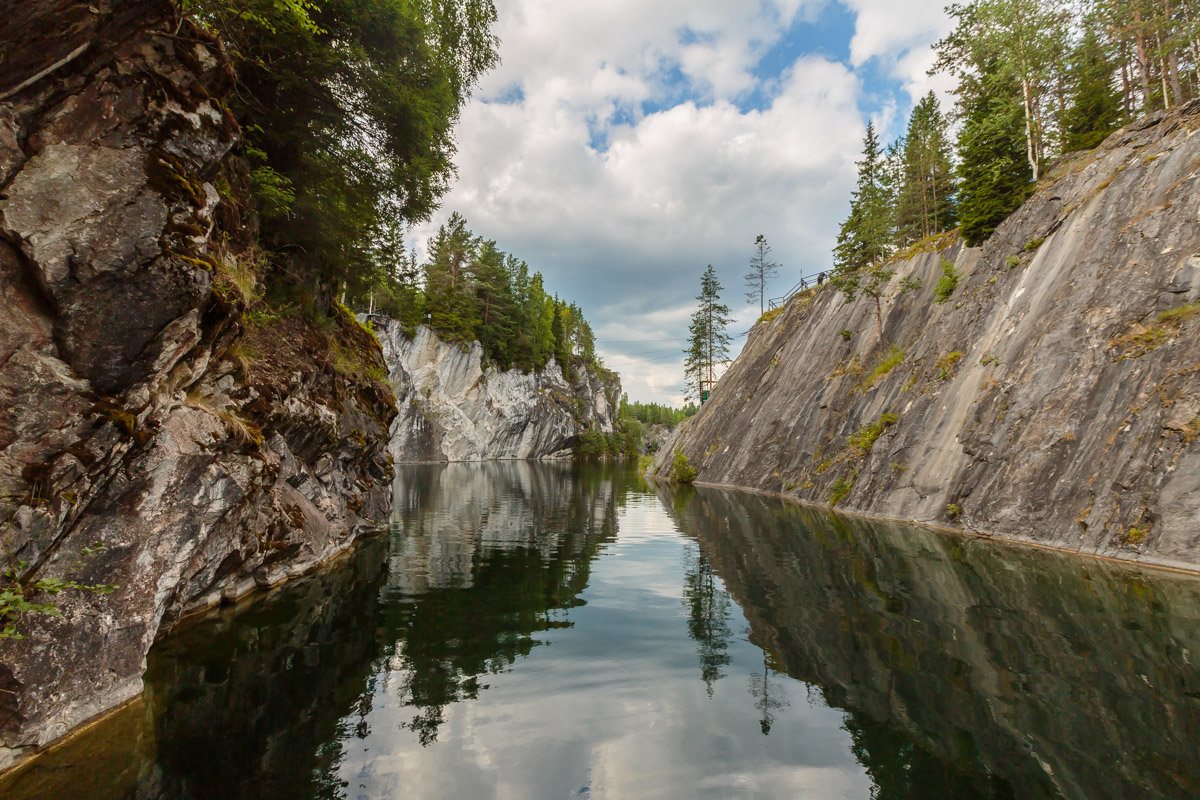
448,290
865,235
1095,109
994,175
708,343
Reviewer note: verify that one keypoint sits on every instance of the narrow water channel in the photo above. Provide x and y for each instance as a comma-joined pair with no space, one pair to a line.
544,631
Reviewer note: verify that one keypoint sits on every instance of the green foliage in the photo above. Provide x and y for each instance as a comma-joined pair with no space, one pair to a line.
656,414
862,440
947,283
470,290
953,510
769,315
865,235
925,196
348,109
1095,109
592,445
684,471
846,334
708,342
840,488
994,174
1140,339
870,281
18,596
890,361
947,363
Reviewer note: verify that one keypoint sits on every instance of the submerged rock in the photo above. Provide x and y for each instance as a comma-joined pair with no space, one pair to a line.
455,408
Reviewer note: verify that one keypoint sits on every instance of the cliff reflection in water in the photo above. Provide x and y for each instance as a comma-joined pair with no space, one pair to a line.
968,668
262,701
483,557
889,662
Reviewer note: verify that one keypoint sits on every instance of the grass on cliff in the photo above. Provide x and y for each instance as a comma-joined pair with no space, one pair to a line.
1141,338
862,440
286,337
890,361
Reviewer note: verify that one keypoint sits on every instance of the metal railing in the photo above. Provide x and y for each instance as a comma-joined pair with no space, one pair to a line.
806,282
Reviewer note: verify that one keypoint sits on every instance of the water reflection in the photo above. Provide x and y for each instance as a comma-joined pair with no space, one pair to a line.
520,538
969,668
539,631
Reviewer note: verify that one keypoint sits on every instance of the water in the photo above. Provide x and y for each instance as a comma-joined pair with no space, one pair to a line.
536,631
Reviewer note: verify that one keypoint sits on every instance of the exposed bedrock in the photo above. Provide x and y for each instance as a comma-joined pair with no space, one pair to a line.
1053,398
454,407
137,448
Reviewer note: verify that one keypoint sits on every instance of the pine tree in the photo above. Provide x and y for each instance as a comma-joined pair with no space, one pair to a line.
865,235
1095,109
762,269
708,343
495,308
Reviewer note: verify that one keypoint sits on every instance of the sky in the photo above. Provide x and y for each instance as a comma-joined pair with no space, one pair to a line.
622,146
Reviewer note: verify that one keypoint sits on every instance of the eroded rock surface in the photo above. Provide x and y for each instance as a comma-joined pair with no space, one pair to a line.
453,408
1054,398
136,448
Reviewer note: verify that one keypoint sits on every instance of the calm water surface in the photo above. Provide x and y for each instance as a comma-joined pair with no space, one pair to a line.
540,631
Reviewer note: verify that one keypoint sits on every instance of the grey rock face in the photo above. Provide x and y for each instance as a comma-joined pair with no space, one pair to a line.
135,450
1052,399
453,409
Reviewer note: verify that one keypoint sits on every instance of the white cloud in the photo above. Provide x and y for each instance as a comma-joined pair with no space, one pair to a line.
629,158
900,36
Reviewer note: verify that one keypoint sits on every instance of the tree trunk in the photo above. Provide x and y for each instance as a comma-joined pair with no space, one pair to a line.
1030,148
1143,60
1126,88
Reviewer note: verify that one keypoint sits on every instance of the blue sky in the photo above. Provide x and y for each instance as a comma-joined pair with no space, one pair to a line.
620,147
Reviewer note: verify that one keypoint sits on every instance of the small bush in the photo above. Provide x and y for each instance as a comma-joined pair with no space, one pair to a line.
947,363
841,487
947,283
862,440
1034,244
770,315
1141,339
684,471
846,334
953,510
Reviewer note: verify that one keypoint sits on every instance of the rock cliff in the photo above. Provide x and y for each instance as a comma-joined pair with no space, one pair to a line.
151,438
1053,398
454,408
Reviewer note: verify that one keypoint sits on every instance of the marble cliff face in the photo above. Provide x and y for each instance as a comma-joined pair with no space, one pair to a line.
1054,397
455,408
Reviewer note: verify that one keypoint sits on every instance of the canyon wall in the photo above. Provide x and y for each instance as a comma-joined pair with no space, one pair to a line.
1053,397
454,407
152,440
